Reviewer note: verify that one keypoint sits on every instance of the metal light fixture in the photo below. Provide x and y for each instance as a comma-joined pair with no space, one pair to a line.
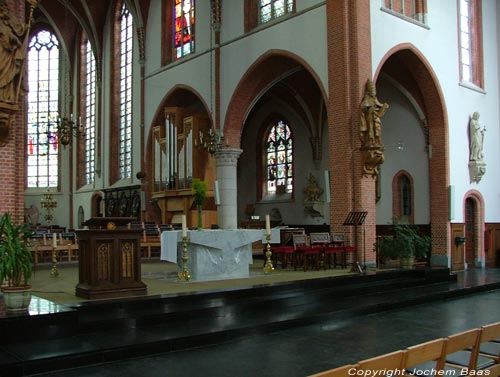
67,128
212,142
48,203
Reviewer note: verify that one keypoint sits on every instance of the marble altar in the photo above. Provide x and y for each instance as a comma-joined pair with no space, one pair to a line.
214,254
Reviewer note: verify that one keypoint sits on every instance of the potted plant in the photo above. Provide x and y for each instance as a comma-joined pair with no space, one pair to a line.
200,193
15,263
406,244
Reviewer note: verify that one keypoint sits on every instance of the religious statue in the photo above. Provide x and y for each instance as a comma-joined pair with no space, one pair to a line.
371,112
13,45
12,54
370,130
312,191
476,138
477,167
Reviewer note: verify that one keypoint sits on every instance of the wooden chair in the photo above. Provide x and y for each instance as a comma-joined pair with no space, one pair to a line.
281,254
462,351
389,363
303,254
335,252
343,371
489,346
425,359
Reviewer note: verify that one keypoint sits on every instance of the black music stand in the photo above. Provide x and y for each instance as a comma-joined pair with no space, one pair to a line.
355,218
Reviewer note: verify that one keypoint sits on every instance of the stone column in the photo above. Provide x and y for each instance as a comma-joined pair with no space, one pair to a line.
227,161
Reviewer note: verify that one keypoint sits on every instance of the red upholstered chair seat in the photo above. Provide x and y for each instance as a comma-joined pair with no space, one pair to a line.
282,254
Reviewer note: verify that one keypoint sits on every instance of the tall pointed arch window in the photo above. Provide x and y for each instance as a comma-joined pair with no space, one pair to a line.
279,159
42,165
471,54
125,93
89,105
184,22
403,197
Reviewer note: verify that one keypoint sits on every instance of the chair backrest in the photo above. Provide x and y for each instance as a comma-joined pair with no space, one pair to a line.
299,240
389,362
490,332
320,238
338,237
343,371
433,350
462,341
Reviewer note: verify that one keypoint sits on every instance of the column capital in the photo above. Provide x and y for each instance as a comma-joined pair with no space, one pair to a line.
227,156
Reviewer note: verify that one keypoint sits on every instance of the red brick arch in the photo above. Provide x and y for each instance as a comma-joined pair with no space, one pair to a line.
264,71
410,67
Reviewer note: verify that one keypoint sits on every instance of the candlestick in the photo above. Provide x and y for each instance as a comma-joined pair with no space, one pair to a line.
268,225
184,226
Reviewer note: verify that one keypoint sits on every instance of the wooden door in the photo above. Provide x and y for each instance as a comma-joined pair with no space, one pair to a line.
470,226
457,251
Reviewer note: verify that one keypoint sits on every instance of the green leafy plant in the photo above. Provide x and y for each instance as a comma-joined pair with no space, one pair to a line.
15,255
199,190
406,242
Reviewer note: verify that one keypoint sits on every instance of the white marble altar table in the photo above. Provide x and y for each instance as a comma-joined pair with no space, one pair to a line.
214,254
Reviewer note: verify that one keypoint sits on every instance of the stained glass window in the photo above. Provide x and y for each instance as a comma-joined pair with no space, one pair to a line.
183,27
126,43
90,115
42,166
271,9
279,159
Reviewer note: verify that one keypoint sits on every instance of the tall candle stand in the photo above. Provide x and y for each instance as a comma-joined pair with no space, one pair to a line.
54,272
268,266
184,275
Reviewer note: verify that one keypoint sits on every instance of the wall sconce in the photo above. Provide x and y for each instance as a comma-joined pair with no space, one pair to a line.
212,142
48,203
67,128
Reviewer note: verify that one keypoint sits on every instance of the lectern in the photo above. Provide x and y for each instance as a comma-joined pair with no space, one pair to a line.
109,264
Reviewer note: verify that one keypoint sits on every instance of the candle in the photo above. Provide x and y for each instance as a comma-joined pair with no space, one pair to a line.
184,227
54,240
268,225
217,195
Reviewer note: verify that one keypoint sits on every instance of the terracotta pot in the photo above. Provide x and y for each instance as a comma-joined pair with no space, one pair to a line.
17,298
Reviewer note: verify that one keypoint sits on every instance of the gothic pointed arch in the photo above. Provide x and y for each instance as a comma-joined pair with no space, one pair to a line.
406,64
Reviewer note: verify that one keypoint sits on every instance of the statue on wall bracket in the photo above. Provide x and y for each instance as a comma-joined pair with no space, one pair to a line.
370,130
13,46
312,197
477,166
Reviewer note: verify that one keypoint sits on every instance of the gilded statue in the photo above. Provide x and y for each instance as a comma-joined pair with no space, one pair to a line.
370,130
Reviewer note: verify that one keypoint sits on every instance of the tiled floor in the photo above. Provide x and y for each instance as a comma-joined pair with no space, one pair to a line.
309,349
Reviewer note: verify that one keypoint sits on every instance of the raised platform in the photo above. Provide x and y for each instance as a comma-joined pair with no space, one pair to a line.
59,337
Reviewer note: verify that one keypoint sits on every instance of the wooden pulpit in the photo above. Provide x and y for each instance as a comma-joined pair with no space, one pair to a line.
109,263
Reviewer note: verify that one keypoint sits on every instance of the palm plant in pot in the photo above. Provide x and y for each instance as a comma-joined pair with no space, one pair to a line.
15,263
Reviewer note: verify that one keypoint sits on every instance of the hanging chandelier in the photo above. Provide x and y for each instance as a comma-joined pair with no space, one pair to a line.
67,127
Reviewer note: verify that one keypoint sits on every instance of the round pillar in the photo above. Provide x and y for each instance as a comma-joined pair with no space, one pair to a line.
227,161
